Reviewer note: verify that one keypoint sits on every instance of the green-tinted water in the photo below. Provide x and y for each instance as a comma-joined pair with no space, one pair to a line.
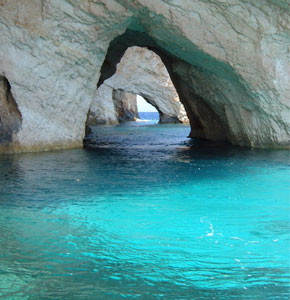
144,213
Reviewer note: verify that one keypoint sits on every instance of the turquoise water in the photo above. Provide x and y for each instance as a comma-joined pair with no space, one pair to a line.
149,117
145,213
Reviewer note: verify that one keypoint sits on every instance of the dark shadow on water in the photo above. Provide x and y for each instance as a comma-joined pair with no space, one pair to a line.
171,140
200,148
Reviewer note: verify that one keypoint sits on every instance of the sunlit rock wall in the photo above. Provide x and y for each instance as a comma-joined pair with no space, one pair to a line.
228,59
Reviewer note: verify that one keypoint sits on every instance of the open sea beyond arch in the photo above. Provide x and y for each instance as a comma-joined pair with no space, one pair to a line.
143,212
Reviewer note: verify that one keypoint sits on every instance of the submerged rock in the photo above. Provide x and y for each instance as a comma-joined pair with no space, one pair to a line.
228,60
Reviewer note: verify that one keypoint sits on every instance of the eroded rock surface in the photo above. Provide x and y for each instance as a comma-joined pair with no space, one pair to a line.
228,59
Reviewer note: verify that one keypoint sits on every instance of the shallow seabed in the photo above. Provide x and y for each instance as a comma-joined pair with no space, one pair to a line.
145,213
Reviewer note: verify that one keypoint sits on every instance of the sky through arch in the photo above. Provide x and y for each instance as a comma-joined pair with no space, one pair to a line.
144,106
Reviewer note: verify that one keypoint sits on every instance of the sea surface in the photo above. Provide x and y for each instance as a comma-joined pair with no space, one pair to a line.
143,212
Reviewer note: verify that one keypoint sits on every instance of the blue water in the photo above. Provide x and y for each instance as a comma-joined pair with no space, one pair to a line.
145,213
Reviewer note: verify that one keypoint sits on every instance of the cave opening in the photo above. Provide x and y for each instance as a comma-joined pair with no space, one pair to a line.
215,99
204,121
139,89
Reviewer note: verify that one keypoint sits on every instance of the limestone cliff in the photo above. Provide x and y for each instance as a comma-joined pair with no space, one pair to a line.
229,61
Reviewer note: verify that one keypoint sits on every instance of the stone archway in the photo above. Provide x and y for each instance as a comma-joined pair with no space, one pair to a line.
229,63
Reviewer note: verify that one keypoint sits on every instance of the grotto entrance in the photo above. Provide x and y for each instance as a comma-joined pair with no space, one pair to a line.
204,121
139,90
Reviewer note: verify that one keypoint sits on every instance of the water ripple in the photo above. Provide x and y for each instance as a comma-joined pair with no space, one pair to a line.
145,213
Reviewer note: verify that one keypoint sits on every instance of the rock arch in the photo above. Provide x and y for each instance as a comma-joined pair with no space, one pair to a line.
229,61
140,72
220,104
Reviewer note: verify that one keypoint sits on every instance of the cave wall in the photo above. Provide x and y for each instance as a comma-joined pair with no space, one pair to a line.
228,59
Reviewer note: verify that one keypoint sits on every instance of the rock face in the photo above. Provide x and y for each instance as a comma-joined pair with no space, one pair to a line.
141,72
102,109
229,61
125,105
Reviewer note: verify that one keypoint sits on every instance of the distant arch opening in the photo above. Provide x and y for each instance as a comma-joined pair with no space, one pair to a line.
146,111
